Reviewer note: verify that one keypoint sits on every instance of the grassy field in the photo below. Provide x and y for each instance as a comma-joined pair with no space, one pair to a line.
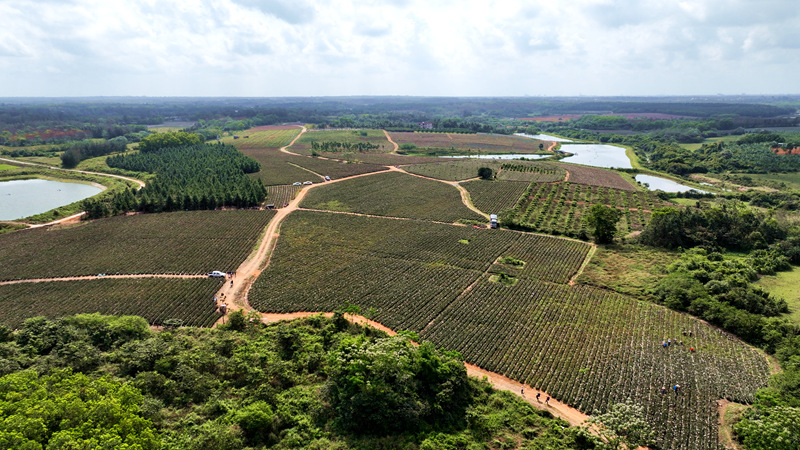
595,176
782,181
465,143
192,242
395,195
696,146
587,346
155,299
7,167
785,285
628,270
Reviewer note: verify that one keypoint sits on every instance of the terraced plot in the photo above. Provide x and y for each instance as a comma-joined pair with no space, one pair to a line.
587,346
155,299
324,142
392,194
193,242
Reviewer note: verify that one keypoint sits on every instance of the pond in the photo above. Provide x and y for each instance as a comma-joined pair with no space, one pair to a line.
502,156
23,198
663,184
543,137
597,155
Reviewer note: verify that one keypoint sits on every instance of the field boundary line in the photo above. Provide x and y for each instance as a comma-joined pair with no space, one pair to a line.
307,170
96,277
585,263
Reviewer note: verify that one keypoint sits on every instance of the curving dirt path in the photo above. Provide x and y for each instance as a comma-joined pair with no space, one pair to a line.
284,148
96,277
465,198
389,138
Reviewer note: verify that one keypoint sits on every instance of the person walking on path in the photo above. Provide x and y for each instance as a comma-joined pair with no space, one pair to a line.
523,391
547,402
537,397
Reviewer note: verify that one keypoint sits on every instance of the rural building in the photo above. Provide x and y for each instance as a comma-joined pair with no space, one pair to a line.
426,125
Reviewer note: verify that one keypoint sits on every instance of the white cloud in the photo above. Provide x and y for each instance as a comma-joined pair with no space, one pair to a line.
414,47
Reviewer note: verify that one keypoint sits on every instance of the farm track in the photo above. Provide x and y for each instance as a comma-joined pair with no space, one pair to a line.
465,198
95,277
389,138
285,147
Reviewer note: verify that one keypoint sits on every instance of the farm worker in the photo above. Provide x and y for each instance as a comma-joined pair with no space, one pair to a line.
669,341
215,299
675,388
231,283
537,396
547,402
691,349
223,308
663,390
523,391
665,344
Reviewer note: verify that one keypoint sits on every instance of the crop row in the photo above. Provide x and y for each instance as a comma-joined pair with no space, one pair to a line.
192,242
595,176
591,348
492,197
155,299
586,346
393,194
281,194
560,208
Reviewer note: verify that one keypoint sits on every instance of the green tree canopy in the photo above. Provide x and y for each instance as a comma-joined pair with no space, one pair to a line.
66,410
169,139
392,386
604,220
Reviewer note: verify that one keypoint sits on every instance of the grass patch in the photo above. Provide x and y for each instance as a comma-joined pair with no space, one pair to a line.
784,285
7,167
512,261
504,278
463,241
627,269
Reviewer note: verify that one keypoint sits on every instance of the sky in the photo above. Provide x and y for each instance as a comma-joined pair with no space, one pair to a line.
276,48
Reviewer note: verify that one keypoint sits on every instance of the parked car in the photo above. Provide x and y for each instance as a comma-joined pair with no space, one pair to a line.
297,183
327,178
216,274
307,182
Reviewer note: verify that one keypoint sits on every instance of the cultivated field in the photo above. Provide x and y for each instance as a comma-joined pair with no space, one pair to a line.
393,194
193,242
588,346
311,139
595,176
281,194
559,208
407,270
483,143
465,169
492,197
155,299
279,168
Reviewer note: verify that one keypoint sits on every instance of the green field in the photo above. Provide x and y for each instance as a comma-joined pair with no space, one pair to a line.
192,242
696,146
7,167
785,285
458,143
589,346
782,181
155,299
394,195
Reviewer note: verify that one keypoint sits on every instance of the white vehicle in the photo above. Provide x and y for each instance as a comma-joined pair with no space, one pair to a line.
217,274
307,182
296,183
327,178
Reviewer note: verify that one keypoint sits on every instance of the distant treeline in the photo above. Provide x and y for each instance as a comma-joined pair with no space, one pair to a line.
203,176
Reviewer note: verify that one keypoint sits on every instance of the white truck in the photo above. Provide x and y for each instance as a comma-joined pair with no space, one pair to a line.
493,220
